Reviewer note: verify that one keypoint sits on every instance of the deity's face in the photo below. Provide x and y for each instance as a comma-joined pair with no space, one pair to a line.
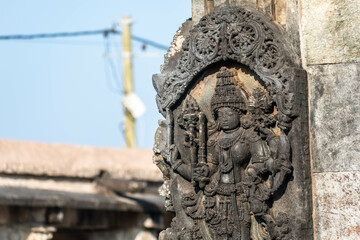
228,118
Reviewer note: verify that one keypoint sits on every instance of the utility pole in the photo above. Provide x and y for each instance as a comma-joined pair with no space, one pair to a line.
129,123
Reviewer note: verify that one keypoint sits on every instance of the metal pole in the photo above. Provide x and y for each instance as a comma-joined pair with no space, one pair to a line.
129,123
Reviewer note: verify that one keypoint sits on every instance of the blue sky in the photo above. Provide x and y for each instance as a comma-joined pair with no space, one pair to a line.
57,90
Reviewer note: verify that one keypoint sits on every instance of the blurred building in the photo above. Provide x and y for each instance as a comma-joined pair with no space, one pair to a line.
64,192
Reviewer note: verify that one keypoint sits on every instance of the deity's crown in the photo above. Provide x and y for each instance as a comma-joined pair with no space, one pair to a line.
227,94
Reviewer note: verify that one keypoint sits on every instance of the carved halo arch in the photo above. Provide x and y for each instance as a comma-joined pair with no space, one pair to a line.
242,35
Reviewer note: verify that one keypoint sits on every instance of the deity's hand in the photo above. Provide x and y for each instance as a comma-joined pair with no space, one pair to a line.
201,174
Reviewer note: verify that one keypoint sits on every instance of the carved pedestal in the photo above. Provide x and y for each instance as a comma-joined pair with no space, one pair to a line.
233,147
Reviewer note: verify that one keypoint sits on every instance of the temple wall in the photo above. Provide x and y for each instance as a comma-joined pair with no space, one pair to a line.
330,45
325,35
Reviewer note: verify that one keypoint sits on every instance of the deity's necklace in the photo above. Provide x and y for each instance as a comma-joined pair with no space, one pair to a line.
225,144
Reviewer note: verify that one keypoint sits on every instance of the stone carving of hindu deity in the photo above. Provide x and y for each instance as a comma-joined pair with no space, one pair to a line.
224,148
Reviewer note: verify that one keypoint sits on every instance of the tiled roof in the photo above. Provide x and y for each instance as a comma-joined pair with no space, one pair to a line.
61,160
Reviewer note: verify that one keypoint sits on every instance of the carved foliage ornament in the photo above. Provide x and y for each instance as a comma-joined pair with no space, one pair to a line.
237,34
223,148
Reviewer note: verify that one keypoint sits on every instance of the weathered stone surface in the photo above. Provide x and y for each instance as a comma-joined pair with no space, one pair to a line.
337,197
222,3
287,16
275,11
331,31
198,10
335,114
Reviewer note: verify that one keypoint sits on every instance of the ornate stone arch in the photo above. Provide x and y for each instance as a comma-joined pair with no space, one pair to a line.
237,34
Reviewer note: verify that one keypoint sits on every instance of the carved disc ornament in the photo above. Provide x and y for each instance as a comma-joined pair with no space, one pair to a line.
236,34
224,148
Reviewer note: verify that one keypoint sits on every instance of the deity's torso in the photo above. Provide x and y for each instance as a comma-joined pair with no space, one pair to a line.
232,153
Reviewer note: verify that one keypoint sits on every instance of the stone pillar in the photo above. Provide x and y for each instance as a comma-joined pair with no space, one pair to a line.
331,54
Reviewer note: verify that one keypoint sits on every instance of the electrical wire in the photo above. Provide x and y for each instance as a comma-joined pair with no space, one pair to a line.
62,42
104,32
111,70
113,79
54,35
149,42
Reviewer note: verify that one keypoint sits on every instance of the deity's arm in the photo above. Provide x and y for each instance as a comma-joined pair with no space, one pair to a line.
258,191
179,166
259,149
271,155
205,167
212,162
272,141
184,170
202,172
282,165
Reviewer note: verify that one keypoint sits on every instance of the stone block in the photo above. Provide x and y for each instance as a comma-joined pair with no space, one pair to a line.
336,203
222,3
330,31
334,117
198,10
287,16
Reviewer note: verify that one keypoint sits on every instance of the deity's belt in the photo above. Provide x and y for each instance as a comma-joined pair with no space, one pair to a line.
227,189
